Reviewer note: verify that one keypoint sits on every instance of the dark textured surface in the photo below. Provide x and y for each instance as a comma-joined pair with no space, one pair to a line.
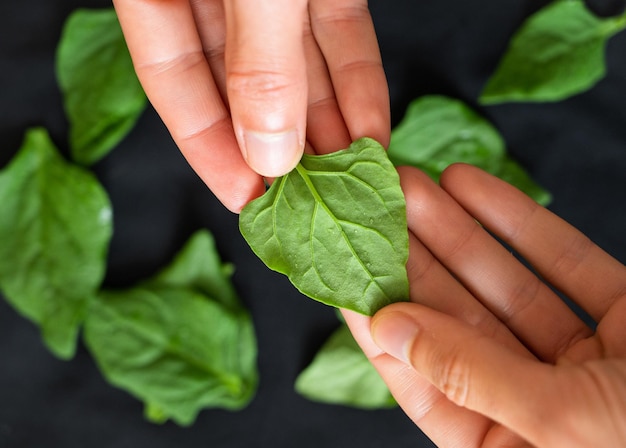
576,148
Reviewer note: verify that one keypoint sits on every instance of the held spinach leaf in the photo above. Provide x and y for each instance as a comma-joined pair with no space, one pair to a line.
341,374
55,226
181,341
557,53
103,98
336,226
438,131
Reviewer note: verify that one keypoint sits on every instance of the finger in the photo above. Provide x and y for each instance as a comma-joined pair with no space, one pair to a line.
431,284
266,81
346,36
471,370
561,254
326,129
534,313
442,421
210,19
167,54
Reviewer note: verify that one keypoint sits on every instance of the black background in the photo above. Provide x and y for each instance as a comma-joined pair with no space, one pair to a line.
575,148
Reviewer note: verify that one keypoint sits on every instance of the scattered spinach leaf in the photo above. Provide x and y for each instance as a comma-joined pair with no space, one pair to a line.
437,131
336,226
174,346
102,96
198,266
557,53
55,226
341,374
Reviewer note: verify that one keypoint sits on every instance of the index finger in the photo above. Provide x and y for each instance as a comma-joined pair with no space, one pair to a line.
169,60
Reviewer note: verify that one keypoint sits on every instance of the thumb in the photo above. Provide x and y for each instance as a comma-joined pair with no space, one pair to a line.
471,369
266,81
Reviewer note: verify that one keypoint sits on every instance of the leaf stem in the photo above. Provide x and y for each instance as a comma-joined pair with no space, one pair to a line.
615,24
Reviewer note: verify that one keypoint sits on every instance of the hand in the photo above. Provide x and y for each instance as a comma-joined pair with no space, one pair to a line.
265,76
496,358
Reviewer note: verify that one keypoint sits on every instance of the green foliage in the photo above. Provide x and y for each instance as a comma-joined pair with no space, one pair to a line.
558,52
180,342
336,226
438,131
55,227
341,374
102,96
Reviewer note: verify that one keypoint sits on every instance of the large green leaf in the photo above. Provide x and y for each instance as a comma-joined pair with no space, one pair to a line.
341,374
172,346
558,52
437,131
55,226
336,225
103,98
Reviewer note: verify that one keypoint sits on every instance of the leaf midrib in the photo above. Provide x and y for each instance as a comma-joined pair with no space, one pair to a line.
303,172
166,348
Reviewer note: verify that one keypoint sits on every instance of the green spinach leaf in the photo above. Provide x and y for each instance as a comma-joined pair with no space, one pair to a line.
437,131
341,374
336,226
55,226
558,52
198,266
171,345
102,96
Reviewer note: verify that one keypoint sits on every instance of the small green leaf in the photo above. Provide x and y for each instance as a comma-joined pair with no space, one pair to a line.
198,265
341,374
55,226
336,226
103,98
169,344
438,131
557,53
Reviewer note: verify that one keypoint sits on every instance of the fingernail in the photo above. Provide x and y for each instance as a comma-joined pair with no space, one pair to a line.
272,154
394,333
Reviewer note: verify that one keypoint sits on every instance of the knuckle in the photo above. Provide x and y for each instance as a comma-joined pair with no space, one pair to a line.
452,376
259,84
344,14
175,65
